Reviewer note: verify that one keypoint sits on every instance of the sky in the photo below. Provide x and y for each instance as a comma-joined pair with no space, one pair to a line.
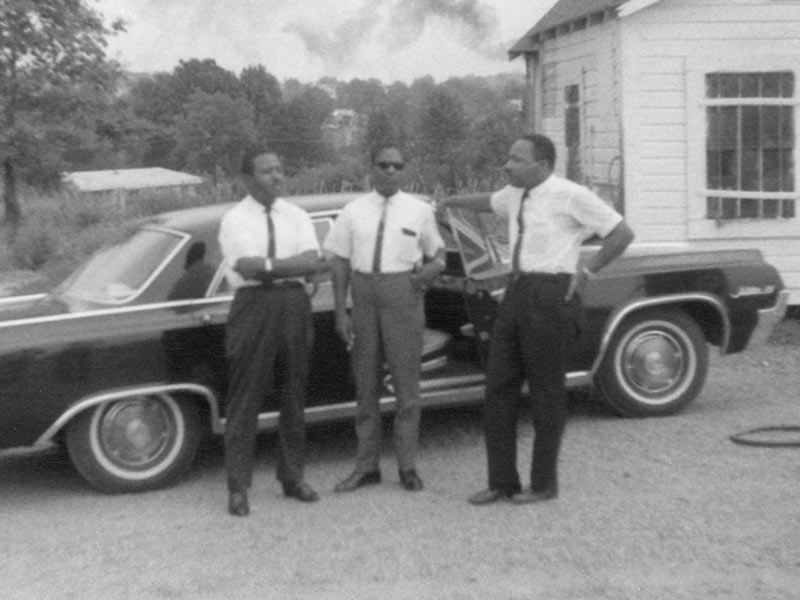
390,40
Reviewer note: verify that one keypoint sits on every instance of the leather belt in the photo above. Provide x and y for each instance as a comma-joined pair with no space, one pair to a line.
534,276
279,284
382,275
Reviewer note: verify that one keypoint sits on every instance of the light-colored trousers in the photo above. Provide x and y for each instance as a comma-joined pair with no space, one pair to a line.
388,321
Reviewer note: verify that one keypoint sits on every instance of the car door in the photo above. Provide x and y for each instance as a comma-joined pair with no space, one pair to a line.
482,239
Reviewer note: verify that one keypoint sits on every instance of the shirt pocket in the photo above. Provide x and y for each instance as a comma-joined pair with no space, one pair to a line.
407,245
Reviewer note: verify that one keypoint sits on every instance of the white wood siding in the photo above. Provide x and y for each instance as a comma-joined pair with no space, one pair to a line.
643,85
666,50
586,58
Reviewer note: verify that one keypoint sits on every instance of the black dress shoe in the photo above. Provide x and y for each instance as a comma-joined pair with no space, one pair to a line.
530,496
301,491
238,505
356,480
489,496
410,480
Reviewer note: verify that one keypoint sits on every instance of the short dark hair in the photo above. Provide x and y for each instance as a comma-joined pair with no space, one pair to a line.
383,145
249,158
543,148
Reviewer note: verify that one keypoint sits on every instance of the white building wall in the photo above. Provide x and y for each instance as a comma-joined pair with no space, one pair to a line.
666,50
585,58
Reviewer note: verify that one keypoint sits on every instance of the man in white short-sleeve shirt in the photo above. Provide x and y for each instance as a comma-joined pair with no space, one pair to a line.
549,218
387,247
268,245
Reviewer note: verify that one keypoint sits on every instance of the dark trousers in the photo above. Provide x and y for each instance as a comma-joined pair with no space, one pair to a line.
266,323
529,341
388,322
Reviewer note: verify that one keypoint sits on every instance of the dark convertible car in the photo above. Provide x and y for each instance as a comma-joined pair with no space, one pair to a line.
124,362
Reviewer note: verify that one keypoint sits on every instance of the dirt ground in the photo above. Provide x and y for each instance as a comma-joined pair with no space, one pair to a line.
656,509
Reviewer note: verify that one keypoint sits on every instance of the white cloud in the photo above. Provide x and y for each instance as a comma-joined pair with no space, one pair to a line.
386,39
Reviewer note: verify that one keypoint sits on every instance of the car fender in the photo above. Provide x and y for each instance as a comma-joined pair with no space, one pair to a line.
194,389
621,313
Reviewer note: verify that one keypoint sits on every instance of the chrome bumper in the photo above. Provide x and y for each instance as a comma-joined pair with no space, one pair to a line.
767,319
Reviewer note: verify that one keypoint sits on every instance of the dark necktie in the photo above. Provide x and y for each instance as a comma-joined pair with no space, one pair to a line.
376,257
270,236
520,231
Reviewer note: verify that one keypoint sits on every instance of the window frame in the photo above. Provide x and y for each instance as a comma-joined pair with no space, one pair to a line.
699,225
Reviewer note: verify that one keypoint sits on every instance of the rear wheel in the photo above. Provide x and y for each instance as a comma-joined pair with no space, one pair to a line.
655,365
134,444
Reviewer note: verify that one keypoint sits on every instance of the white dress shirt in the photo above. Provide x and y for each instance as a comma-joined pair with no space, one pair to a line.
558,216
243,232
409,234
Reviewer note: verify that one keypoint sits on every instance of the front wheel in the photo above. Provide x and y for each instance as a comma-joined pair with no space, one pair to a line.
135,443
655,365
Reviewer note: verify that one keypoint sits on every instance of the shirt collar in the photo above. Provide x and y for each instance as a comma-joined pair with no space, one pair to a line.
275,208
381,199
542,186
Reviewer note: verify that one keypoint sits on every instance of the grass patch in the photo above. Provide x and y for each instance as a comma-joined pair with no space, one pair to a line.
59,231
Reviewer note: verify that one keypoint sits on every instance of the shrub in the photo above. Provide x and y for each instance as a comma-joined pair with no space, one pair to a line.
33,246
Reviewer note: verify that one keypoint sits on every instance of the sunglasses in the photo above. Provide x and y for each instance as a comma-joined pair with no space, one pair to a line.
384,165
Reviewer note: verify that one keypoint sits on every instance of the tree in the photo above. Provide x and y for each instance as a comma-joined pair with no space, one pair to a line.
362,96
205,75
293,88
154,98
491,138
383,127
442,133
263,92
214,132
47,49
161,100
299,138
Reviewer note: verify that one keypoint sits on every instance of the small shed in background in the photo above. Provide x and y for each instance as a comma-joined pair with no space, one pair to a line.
118,183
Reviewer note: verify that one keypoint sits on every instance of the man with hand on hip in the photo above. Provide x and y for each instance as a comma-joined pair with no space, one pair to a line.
549,218
387,247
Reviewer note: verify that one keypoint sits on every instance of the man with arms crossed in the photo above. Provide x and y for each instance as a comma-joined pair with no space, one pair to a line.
268,245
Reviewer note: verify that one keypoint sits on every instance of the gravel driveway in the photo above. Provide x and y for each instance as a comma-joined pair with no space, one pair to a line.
649,509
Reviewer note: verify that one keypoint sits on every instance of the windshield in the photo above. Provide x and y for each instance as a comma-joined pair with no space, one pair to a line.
117,274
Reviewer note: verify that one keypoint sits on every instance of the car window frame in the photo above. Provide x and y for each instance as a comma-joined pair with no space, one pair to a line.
184,239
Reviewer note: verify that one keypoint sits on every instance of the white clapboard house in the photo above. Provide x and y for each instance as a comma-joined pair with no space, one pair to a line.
683,113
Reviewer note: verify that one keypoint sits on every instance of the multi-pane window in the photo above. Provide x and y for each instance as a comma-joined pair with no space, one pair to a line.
750,145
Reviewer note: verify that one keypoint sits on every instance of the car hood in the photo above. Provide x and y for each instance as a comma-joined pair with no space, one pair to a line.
30,307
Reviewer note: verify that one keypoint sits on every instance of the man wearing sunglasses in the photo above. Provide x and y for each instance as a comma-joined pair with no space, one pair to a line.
387,248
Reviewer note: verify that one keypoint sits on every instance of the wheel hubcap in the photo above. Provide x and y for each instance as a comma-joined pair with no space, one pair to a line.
135,433
654,362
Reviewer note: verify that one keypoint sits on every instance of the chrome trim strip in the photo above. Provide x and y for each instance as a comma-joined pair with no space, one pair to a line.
575,379
620,314
432,364
333,412
7,301
767,319
116,311
149,390
427,385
